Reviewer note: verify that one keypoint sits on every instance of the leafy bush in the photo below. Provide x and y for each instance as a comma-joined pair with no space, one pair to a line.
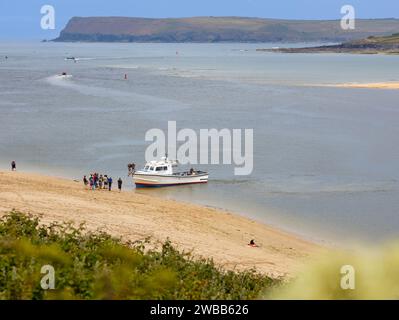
97,266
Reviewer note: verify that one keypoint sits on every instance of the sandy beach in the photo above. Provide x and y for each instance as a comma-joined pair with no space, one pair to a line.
205,231
372,85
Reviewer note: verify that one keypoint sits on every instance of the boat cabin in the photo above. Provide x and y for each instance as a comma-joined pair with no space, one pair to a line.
163,167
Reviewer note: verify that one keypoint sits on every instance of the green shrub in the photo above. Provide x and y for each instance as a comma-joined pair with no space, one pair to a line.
94,265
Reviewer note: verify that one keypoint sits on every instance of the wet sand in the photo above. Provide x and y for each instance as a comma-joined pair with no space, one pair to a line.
375,85
206,232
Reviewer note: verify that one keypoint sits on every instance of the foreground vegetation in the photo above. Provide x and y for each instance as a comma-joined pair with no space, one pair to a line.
362,273
95,265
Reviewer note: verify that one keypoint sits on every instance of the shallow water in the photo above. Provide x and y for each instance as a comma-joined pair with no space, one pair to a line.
326,160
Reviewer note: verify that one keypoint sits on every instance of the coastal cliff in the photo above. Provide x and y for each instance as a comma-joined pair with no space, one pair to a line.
219,29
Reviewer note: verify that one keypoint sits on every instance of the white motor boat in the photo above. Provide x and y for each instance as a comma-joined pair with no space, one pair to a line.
162,174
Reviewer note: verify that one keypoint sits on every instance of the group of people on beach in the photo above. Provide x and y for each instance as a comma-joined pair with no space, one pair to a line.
99,181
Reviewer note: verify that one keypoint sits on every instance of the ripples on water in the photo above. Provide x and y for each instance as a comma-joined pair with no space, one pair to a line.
326,160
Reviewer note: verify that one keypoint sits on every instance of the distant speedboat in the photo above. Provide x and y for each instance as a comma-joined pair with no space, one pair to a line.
162,174
64,75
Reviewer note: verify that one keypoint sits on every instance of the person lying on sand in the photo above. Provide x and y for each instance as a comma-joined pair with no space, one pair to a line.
253,244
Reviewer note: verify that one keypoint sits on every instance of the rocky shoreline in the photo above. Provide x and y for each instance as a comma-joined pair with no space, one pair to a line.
371,45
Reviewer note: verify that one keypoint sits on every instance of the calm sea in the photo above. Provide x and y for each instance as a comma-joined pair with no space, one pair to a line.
326,160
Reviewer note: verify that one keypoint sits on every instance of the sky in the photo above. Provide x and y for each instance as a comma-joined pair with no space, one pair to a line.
20,19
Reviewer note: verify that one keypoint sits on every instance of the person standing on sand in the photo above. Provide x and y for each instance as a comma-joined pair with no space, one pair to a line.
120,184
85,182
91,180
100,181
105,181
95,177
109,184
13,166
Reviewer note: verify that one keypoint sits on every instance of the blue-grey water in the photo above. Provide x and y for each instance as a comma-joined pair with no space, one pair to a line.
326,160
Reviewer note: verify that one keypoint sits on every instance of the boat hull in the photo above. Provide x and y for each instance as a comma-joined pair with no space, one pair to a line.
147,180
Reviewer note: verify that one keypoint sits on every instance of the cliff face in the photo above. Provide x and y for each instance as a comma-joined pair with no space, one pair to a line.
218,29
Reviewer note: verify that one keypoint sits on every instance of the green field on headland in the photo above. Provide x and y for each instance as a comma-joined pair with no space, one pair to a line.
219,29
